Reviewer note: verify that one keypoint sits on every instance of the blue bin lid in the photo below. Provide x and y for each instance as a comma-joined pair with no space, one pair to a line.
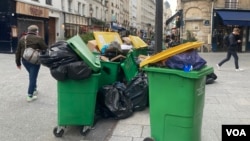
77,44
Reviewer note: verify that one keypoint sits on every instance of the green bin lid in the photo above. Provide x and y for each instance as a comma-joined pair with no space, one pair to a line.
77,44
192,74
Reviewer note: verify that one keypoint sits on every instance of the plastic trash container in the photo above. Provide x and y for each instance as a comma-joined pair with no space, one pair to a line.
110,72
139,46
176,100
76,101
77,98
171,52
103,38
129,67
77,44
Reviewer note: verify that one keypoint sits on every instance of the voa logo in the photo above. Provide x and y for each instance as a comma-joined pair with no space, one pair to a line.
236,132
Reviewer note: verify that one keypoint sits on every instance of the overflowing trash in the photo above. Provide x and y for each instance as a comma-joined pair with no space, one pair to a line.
187,61
116,74
64,63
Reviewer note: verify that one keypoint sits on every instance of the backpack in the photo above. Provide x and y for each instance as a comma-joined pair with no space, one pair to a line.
226,40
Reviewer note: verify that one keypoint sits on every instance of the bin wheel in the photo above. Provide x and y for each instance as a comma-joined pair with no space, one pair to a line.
148,139
58,132
84,130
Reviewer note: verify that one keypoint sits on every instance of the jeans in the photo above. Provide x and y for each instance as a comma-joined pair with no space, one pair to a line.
229,54
33,73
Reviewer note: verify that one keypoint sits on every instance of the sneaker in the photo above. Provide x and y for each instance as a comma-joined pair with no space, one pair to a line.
35,92
239,69
218,67
29,99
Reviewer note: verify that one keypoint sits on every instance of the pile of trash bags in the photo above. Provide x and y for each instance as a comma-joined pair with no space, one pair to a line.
64,63
120,100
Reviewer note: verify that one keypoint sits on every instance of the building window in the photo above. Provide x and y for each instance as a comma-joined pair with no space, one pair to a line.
63,6
79,8
83,10
231,4
49,2
96,13
69,5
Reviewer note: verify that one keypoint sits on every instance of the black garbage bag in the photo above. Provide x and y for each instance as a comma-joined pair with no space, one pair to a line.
75,70
78,70
210,78
59,73
137,91
112,102
58,54
188,58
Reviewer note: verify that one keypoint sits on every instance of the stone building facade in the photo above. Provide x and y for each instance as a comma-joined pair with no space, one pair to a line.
206,20
62,19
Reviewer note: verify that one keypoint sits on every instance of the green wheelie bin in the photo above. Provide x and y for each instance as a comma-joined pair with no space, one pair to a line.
77,98
110,72
176,100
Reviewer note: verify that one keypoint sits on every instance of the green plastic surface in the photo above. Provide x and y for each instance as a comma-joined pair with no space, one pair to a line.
192,74
110,72
176,100
77,44
140,51
129,67
77,100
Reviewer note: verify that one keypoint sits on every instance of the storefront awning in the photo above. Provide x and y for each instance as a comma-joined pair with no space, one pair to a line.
240,18
116,27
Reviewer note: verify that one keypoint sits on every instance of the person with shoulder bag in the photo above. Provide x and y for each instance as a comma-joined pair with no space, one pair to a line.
25,54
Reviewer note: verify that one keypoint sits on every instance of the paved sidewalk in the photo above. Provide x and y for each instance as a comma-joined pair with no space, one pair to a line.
227,102
35,121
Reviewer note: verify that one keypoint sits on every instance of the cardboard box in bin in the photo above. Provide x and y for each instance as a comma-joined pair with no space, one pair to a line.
126,40
92,45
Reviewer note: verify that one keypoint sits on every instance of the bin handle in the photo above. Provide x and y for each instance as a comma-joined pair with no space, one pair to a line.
117,57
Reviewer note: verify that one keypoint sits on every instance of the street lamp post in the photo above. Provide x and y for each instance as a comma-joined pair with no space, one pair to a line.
158,26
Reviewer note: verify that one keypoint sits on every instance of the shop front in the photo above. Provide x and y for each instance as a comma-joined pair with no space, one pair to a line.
28,14
8,29
224,22
15,21
116,27
74,24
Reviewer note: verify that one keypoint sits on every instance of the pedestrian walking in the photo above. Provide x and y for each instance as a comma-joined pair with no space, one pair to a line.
167,40
34,41
232,50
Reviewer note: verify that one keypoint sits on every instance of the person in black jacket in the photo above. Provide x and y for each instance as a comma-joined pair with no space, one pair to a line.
232,50
36,42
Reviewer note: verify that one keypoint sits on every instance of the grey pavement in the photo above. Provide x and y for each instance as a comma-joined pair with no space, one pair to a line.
227,101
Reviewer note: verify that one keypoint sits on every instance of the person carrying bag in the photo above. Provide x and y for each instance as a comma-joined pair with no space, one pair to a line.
30,42
30,54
